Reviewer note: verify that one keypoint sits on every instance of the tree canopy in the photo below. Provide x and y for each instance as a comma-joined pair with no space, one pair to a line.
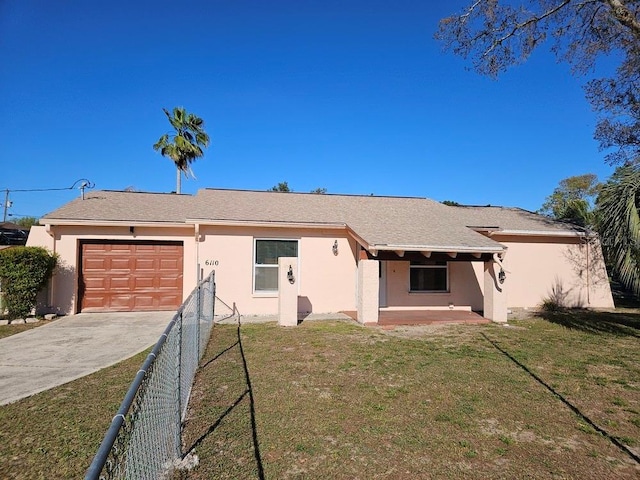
497,34
27,222
573,200
281,187
183,145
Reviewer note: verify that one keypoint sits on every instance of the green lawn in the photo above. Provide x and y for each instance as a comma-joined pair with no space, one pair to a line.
56,433
7,330
555,398
545,398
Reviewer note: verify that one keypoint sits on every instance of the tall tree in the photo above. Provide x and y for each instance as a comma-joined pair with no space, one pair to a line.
573,200
497,34
618,214
183,145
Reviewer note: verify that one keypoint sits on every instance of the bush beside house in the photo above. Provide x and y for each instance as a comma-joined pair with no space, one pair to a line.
23,273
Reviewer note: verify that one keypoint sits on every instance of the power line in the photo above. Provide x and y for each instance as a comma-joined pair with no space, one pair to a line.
84,184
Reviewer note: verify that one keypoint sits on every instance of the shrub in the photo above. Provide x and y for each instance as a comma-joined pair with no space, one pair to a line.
23,273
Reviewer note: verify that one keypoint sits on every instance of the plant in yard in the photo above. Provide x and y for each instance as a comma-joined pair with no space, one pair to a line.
183,145
618,222
23,273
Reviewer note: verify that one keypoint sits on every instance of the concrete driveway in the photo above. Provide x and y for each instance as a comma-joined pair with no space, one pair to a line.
72,347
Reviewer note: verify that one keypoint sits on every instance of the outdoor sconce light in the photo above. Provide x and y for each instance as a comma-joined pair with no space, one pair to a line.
290,276
335,247
501,276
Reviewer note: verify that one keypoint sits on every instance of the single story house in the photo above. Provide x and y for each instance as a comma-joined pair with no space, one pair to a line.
127,251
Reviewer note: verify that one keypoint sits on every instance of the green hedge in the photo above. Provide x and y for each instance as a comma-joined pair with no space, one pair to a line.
23,273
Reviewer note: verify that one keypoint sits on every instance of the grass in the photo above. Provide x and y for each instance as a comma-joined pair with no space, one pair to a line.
8,330
335,400
56,433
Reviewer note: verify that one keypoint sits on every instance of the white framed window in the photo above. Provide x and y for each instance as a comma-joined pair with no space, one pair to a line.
266,252
428,276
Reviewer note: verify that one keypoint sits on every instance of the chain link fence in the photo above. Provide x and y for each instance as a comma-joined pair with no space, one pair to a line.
144,439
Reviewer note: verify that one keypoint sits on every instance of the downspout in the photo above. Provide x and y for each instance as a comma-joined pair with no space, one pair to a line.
197,239
588,280
48,228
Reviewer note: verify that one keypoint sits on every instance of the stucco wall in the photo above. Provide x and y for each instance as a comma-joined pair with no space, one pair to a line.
464,287
537,267
326,282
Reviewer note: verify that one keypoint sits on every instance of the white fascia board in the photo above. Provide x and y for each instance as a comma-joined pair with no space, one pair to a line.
540,233
55,222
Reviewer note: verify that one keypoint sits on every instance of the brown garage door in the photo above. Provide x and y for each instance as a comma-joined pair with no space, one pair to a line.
130,276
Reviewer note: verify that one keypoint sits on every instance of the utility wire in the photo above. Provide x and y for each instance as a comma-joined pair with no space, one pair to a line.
88,184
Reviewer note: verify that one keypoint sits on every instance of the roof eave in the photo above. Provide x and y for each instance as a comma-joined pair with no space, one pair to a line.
540,233
440,248
110,223
265,223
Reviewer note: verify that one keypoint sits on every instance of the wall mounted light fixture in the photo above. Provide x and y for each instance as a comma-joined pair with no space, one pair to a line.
335,247
501,276
290,276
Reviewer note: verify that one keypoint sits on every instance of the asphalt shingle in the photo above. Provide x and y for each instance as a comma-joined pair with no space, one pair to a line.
383,222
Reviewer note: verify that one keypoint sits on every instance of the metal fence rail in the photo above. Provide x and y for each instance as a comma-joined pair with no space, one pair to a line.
144,441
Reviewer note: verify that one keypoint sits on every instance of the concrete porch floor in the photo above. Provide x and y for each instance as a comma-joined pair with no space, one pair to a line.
423,317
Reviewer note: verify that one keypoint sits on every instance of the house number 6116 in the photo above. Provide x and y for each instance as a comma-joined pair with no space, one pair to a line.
211,263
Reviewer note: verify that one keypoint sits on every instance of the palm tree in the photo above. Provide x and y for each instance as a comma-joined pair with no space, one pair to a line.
618,219
184,145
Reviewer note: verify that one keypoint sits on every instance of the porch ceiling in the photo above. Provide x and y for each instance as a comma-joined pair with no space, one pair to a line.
415,256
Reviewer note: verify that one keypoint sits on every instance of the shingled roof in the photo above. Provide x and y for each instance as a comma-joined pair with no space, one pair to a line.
383,223
402,223
512,220
117,206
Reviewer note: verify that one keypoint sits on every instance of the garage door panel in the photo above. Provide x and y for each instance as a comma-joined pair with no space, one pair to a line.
144,282
119,264
119,283
144,302
145,264
131,276
167,301
169,264
96,264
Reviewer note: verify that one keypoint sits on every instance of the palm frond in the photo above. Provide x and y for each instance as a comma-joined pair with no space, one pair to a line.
619,225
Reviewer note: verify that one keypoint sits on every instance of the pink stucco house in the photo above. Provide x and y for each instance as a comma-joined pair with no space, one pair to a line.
145,251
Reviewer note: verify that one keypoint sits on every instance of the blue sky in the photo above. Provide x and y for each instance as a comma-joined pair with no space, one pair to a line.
353,96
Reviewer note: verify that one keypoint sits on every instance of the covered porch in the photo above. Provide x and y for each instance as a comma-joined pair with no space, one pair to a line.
431,285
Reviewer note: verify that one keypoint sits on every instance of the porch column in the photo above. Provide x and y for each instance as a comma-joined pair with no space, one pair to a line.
368,291
288,291
495,297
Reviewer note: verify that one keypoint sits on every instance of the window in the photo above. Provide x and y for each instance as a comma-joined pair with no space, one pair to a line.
428,277
265,266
